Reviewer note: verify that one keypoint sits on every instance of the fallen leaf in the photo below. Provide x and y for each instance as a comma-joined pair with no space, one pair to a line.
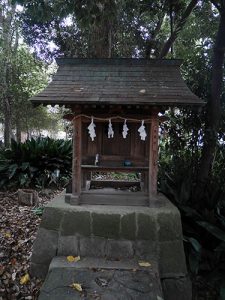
13,276
144,264
76,286
77,258
7,235
2,269
71,258
13,261
24,279
102,281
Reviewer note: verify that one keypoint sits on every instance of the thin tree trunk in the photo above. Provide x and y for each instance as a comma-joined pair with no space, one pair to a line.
18,131
213,110
6,19
180,25
7,123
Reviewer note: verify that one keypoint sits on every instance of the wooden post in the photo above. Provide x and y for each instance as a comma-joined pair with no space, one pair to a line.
153,155
77,157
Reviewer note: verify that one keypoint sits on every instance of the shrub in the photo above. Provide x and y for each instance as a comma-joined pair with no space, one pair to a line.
36,163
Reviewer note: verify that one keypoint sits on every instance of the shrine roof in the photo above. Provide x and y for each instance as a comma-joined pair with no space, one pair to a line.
117,81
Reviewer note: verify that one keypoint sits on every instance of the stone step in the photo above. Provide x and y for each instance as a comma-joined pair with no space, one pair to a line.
101,279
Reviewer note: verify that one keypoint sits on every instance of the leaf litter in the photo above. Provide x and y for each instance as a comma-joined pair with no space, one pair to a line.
18,229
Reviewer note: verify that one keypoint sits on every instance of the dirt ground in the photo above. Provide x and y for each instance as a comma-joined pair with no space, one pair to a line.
18,228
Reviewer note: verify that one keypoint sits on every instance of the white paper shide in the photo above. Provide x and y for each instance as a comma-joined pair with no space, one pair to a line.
91,129
142,131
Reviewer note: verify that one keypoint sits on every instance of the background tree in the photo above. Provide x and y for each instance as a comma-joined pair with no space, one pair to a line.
214,107
22,75
9,42
105,28
29,76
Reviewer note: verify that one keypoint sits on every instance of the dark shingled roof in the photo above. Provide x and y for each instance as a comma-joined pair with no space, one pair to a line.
117,81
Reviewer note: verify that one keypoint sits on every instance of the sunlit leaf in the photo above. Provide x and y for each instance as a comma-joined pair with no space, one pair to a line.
71,258
24,279
144,264
76,286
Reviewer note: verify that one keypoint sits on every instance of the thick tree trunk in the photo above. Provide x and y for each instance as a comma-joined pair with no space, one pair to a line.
213,110
100,40
101,33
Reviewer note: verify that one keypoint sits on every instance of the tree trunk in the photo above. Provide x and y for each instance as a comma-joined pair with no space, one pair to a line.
100,41
18,131
6,19
101,33
7,123
213,110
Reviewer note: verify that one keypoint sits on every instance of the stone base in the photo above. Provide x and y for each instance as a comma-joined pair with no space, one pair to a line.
179,287
113,232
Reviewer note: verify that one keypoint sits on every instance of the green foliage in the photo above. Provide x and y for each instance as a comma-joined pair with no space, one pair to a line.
35,163
38,211
203,222
134,25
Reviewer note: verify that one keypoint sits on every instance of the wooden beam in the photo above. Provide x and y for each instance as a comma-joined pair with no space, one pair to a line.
77,158
153,155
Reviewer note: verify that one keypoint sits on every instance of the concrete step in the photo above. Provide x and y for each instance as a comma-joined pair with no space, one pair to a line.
101,279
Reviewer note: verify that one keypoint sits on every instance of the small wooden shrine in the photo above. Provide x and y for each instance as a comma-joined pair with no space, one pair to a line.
116,105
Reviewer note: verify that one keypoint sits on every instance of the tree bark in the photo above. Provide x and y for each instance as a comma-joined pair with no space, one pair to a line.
177,28
18,131
7,122
101,33
213,110
6,19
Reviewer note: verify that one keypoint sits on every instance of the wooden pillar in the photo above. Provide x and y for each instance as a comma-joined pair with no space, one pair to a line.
153,155
77,158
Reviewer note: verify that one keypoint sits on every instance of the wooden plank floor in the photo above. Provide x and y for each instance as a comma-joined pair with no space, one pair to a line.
110,196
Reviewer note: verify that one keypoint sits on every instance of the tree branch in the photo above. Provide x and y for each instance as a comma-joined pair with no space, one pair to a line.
179,26
151,41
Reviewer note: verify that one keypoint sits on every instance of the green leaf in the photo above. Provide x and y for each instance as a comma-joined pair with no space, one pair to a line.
195,244
222,290
4,166
194,261
25,165
190,212
12,170
214,230
220,248
23,178
38,211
